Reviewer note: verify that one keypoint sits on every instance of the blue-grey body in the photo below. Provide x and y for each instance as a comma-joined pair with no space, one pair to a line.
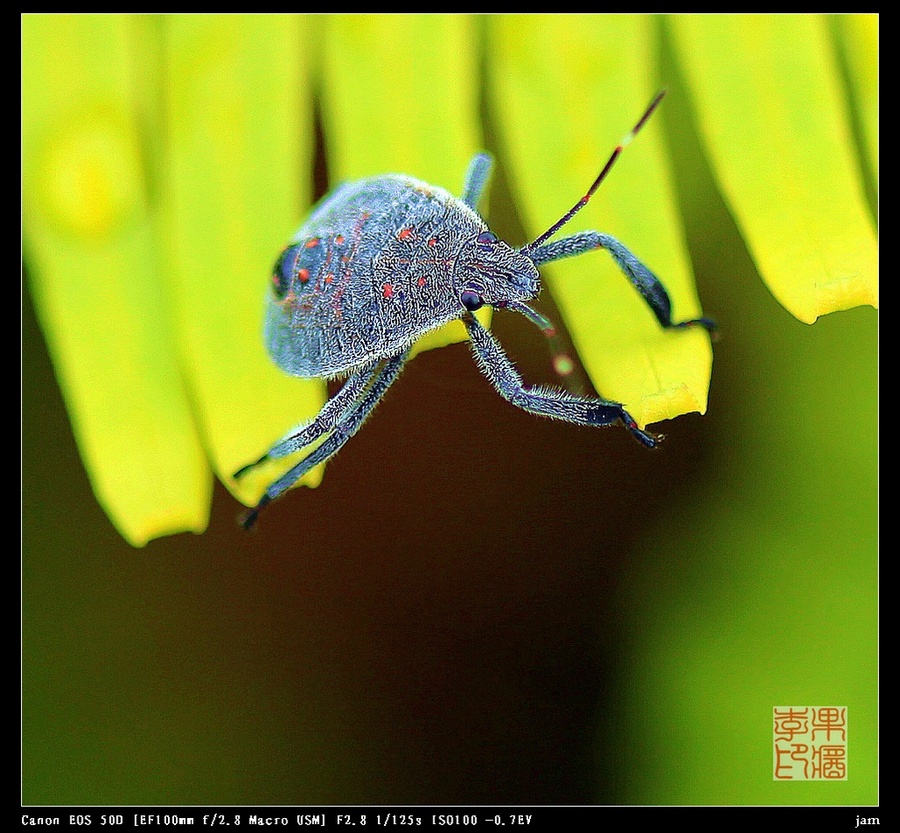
381,262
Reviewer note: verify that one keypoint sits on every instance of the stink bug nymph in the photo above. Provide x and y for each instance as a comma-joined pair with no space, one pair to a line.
381,262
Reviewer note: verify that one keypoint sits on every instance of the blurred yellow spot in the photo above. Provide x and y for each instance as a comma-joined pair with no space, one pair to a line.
91,176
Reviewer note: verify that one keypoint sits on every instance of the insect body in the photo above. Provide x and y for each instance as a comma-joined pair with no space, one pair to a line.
381,262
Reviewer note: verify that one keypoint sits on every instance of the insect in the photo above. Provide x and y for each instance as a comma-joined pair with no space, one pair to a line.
381,262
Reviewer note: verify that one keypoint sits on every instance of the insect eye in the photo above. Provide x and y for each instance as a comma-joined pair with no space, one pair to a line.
486,237
283,272
471,300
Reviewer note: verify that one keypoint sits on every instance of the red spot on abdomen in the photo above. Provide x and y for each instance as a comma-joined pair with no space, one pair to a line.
405,233
387,290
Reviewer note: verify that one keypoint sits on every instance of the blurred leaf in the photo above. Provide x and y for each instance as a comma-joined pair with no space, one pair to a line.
770,107
94,255
564,99
856,36
238,153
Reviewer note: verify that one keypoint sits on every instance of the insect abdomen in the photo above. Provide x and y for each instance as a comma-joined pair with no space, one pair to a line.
369,272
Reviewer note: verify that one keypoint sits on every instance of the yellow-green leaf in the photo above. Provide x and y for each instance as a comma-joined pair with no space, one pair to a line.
94,255
566,92
238,151
771,109
858,34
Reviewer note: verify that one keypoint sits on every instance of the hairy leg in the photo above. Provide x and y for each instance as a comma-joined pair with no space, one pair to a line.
646,283
494,363
476,179
350,423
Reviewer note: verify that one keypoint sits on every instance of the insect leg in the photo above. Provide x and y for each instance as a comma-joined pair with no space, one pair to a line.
476,179
495,364
332,412
350,422
562,361
646,283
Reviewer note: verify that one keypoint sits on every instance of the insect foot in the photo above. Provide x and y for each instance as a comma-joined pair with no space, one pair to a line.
385,260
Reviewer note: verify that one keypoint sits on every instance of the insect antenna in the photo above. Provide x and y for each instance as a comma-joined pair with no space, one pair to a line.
602,175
